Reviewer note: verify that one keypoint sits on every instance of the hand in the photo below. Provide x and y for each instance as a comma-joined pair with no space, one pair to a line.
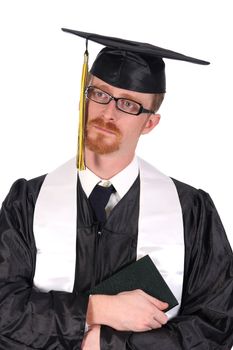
137,311
128,311
91,340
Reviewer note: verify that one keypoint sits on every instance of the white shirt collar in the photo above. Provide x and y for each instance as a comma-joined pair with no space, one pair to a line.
121,181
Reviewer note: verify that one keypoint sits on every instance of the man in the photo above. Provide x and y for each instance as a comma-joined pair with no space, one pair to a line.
56,244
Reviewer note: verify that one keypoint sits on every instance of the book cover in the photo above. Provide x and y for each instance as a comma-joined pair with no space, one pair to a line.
141,274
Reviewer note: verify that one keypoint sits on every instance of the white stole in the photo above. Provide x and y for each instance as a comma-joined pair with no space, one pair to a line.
160,232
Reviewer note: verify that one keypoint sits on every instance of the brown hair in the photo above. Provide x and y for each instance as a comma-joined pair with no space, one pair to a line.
157,101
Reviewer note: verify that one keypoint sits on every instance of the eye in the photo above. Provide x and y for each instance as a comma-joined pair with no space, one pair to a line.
98,95
128,106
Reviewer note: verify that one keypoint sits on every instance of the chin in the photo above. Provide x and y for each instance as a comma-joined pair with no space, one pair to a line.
102,148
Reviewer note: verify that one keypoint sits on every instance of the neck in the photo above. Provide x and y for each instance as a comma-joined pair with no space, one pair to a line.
107,165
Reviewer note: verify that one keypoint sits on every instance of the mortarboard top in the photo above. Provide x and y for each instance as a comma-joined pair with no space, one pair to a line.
132,65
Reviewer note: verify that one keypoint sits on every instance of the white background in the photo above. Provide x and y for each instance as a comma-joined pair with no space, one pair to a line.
40,77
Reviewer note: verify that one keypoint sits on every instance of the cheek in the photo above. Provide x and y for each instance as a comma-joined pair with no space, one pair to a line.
94,109
89,110
133,129
138,125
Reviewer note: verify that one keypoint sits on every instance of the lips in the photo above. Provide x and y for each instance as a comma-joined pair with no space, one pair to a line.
100,128
105,127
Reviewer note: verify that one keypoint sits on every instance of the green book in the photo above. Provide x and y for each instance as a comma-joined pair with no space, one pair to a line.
141,274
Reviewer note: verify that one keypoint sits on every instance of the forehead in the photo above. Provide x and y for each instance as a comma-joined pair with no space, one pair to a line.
117,92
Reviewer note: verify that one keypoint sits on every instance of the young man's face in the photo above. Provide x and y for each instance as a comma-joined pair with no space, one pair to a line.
110,130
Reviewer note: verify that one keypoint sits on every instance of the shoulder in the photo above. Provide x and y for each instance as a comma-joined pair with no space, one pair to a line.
18,207
202,222
191,198
197,200
23,189
189,193
184,190
195,203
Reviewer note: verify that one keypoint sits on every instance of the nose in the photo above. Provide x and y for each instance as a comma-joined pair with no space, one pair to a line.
110,111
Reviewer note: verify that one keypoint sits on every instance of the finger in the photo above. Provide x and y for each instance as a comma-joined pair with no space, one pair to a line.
154,324
162,305
83,344
158,303
160,317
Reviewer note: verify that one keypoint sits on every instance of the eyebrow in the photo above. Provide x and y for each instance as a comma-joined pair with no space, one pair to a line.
124,95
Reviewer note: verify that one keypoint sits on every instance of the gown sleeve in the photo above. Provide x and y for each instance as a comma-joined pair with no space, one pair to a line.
205,319
29,318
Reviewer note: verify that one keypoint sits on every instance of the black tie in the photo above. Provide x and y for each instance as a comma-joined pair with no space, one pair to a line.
98,199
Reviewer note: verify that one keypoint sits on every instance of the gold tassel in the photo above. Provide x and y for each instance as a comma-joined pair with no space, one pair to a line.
82,112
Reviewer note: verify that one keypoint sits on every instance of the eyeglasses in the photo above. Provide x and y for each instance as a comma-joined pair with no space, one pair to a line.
123,104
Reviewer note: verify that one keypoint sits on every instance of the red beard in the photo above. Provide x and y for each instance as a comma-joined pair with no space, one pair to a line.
101,142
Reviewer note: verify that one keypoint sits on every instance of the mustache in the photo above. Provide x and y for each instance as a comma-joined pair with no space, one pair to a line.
105,125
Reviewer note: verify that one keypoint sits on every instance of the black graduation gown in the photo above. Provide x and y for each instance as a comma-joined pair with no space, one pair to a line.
31,319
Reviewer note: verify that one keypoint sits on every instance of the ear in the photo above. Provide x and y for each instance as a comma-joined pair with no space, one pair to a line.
151,123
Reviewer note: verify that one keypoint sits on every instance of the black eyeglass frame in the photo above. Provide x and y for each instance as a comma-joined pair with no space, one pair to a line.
141,108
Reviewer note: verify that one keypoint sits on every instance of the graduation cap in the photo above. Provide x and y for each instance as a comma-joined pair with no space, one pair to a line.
126,64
